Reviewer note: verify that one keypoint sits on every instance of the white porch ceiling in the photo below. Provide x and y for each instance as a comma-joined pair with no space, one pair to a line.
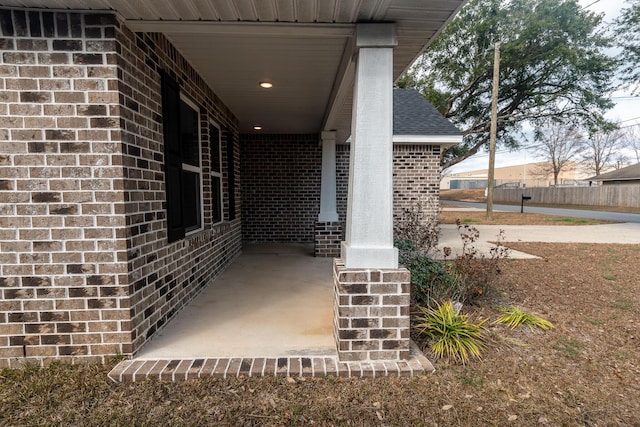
302,46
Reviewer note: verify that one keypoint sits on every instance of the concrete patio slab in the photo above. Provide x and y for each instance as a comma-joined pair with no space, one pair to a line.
275,300
269,314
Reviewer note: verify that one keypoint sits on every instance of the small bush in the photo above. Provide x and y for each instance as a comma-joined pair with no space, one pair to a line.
430,280
461,279
407,250
416,234
419,224
452,335
474,271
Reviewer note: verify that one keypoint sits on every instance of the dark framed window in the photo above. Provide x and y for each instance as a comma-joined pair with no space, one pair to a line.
216,173
231,174
183,161
191,165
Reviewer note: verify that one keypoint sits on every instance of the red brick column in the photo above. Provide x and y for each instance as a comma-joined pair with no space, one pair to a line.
371,313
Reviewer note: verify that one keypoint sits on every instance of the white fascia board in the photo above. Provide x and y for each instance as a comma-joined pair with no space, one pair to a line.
444,140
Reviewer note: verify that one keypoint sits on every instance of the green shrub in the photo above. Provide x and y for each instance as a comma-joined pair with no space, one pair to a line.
407,250
463,278
432,282
452,335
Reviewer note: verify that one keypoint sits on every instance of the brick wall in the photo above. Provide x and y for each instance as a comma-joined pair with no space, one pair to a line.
281,184
328,239
416,177
64,273
164,277
342,180
281,180
85,268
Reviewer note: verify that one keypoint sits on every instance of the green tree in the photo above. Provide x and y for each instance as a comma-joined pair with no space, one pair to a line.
628,26
552,64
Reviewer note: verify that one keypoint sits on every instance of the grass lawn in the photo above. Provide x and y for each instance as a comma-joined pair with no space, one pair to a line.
584,371
512,218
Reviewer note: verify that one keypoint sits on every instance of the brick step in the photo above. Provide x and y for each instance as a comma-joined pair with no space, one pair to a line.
290,366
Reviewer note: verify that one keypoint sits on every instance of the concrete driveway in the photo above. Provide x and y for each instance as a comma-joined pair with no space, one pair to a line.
627,233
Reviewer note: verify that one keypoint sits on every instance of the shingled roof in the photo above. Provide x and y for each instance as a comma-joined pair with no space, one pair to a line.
414,115
623,174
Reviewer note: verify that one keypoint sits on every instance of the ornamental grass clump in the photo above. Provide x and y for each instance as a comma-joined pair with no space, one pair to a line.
453,336
515,316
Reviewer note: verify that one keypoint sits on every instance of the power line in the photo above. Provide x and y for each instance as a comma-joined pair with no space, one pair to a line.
629,126
624,97
590,4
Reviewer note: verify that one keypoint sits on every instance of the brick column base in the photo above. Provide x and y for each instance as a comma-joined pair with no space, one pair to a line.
371,313
328,238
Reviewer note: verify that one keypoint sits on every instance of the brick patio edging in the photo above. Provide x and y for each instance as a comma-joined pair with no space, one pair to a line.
302,366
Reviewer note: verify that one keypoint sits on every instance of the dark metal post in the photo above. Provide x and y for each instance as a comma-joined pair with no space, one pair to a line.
522,202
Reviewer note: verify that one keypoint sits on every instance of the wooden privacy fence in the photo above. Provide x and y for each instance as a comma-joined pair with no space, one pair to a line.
606,195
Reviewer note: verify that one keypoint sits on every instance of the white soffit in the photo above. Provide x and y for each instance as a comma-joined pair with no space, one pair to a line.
302,68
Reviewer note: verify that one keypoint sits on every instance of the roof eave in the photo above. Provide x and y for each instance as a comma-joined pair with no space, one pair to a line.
442,140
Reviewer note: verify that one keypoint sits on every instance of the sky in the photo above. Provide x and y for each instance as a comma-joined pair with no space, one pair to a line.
626,111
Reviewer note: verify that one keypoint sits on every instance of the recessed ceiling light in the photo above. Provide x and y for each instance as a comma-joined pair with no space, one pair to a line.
266,85
257,127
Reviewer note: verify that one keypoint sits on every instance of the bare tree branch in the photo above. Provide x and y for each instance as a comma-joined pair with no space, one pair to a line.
559,145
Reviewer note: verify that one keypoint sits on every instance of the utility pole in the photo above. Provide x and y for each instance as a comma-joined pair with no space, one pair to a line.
493,131
524,170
